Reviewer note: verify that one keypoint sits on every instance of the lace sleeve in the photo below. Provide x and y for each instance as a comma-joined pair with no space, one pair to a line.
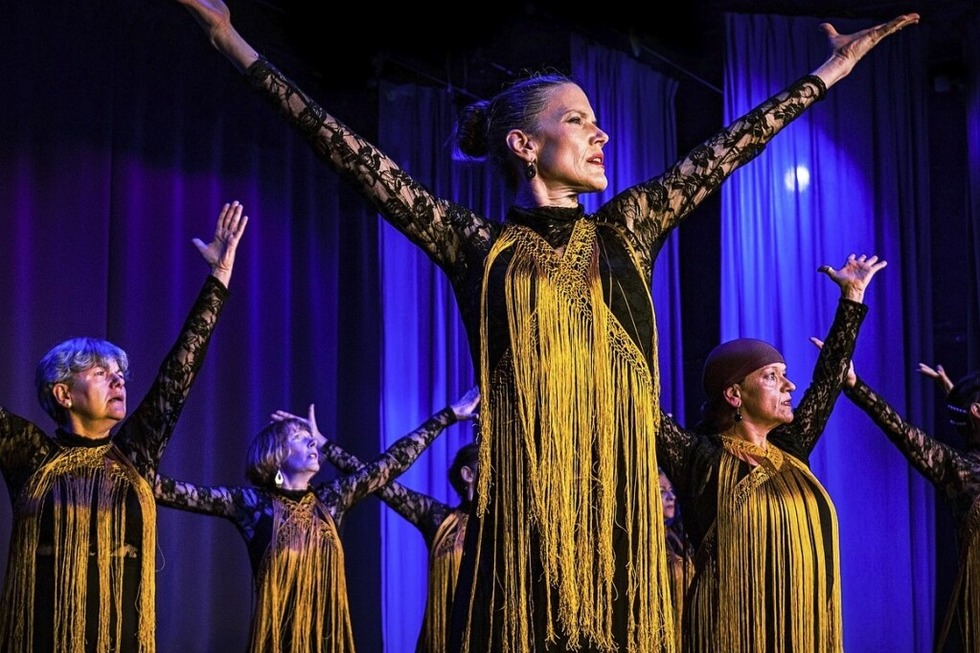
344,492
241,505
674,445
441,228
652,208
146,432
811,415
420,510
23,446
951,472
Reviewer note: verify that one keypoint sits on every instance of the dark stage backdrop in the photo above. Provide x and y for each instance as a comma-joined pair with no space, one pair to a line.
124,132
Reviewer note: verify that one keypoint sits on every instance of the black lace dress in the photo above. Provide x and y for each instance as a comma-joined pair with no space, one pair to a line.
956,476
737,602
80,572
294,546
443,528
581,570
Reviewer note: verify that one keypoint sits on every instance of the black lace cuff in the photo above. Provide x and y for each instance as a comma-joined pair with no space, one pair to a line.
816,81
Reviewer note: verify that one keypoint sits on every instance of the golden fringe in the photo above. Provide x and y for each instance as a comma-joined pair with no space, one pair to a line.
69,481
680,566
302,585
577,407
769,568
964,601
447,551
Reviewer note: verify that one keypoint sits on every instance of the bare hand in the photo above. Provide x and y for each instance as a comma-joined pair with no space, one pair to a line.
851,380
465,406
210,14
848,49
310,421
220,252
855,275
937,374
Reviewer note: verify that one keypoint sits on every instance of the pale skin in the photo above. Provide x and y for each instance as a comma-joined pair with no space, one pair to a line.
303,462
764,397
95,398
566,145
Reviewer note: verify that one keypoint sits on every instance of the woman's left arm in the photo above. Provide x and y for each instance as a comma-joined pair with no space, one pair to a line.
143,436
833,364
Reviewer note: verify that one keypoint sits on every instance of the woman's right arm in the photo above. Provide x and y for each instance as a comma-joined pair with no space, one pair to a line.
421,510
941,464
23,447
215,500
437,226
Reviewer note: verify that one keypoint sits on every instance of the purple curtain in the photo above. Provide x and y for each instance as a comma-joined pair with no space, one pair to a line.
114,154
844,178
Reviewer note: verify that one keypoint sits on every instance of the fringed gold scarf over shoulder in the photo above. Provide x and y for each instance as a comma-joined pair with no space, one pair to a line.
301,603
73,484
447,550
570,421
964,602
773,586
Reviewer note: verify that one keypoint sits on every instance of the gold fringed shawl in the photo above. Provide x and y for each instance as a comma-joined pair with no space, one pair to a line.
570,421
680,566
964,601
67,485
447,550
301,587
772,584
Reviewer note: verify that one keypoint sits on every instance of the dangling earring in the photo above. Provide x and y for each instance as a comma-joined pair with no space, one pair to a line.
280,479
530,170
738,415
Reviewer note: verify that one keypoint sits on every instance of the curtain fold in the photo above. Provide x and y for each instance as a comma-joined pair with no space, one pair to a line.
844,178
114,155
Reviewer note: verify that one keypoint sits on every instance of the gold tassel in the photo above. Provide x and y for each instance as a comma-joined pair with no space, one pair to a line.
570,407
770,567
69,481
964,601
301,586
447,551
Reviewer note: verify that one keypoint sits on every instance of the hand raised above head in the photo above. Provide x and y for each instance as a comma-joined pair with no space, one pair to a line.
310,421
465,406
937,374
220,252
848,49
855,275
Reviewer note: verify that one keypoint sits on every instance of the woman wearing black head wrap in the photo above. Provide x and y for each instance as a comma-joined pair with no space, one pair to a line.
955,473
767,572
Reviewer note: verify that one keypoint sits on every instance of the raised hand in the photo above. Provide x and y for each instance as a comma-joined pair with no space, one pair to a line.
937,374
855,275
310,420
220,252
215,18
848,49
465,406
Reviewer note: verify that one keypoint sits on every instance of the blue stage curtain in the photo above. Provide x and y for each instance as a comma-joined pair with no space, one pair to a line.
846,177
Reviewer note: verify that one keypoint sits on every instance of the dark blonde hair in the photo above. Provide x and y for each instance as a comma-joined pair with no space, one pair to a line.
268,449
